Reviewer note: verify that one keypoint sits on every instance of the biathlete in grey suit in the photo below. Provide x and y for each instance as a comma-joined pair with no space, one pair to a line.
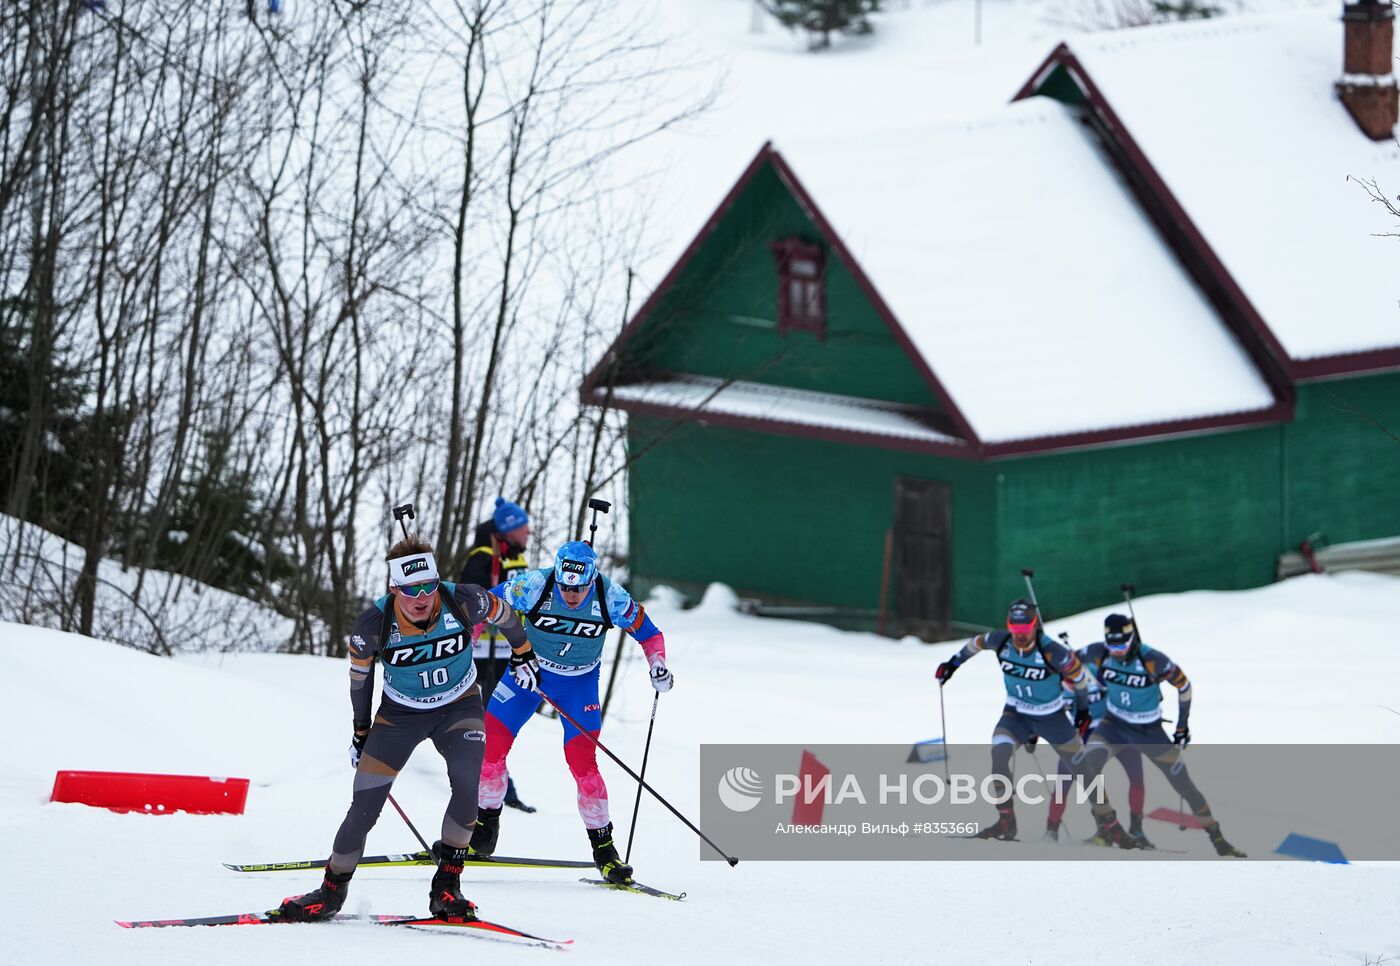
421,631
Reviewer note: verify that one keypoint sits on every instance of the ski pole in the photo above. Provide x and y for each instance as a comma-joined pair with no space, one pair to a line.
1059,787
943,719
638,778
400,514
404,815
1128,591
636,806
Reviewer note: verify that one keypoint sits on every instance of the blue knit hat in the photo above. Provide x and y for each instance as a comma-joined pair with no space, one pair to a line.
507,515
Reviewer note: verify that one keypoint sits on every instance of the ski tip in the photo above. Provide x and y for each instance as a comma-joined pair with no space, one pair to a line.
123,924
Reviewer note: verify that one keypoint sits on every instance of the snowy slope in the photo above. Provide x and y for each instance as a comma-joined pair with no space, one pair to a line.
153,611
1308,660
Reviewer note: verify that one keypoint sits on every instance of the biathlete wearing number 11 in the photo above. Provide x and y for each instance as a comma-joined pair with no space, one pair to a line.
566,637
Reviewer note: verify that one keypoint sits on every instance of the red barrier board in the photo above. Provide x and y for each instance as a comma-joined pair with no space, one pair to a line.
1174,817
809,804
151,794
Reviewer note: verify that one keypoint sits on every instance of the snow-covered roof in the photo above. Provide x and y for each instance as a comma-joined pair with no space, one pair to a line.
777,404
1027,277
1239,118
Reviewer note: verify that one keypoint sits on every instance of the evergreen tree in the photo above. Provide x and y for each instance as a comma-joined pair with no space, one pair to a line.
57,501
1167,10
215,534
821,18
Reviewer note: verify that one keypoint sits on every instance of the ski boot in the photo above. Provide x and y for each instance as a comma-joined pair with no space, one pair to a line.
488,829
1052,832
1135,830
445,899
605,855
1222,847
1110,832
322,903
1003,828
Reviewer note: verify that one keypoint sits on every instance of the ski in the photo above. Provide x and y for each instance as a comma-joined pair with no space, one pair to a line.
1091,844
632,885
1082,843
415,858
483,928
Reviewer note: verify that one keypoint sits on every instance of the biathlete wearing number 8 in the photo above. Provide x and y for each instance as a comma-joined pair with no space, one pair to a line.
566,638
1131,674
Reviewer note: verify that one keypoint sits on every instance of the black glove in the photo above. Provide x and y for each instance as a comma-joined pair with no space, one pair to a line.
1182,737
525,669
1082,719
357,745
946,669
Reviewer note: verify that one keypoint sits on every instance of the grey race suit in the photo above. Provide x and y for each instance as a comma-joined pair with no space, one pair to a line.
430,692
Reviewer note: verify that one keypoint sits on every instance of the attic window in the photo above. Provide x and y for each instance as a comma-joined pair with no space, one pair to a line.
801,287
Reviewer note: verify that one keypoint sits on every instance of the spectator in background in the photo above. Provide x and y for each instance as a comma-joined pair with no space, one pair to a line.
497,553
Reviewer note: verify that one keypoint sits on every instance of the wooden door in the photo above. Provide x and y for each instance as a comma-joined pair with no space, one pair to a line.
922,558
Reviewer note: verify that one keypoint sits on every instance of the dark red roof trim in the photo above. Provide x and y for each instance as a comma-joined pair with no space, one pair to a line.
1034,445
1347,364
1279,412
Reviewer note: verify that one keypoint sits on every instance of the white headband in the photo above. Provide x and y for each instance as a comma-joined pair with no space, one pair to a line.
417,568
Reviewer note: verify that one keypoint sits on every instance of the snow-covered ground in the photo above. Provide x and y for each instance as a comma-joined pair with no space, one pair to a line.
1309,660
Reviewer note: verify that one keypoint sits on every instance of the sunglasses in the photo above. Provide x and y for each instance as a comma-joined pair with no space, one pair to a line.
419,590
568,589
1021,628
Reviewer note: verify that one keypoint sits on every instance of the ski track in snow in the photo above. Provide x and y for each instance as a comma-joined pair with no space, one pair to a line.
1306,660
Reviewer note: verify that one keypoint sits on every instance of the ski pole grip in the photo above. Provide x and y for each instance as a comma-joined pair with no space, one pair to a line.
1129,589
1027,572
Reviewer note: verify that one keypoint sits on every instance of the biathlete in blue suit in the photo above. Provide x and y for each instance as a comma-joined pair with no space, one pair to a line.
568,611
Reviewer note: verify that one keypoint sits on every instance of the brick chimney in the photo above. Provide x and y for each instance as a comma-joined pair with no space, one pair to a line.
1367,86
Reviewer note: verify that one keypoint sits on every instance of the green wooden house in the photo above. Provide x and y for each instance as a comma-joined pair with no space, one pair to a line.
1086,335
